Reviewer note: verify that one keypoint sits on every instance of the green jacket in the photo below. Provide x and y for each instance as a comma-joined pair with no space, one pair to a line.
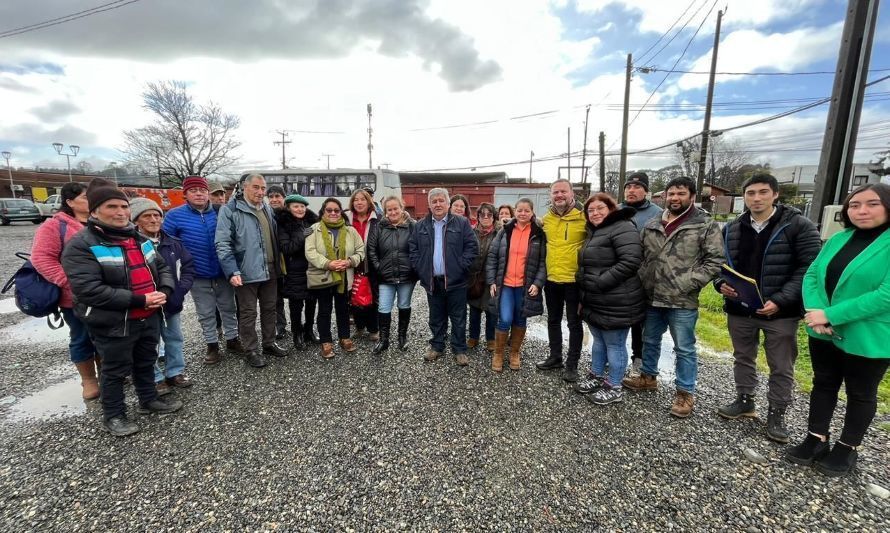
859,310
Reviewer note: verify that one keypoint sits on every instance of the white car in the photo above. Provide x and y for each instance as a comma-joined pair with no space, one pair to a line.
50,206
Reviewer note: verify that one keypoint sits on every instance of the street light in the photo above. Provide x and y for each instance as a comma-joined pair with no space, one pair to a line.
7,155
73,153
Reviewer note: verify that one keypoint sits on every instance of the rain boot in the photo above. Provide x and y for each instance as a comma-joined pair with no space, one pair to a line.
385,320
404,320
516,338
500,345
297,332
88,379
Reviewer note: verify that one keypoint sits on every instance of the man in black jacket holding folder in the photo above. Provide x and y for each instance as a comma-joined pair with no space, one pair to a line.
772,244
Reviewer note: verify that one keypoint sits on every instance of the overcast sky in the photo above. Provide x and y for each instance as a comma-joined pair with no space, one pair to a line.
453,83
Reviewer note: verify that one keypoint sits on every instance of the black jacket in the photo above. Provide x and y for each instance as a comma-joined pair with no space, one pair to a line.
477,269
793,245
535,267
461,248
292,243
99,276
388,252
182,268
612,295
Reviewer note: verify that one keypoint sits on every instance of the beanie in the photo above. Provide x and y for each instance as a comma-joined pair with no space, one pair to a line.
194,181
140,205
296,198
101,190
638,178
275,189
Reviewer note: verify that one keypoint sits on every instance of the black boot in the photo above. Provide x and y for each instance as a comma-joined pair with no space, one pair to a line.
810,450
742,406
385,320
299,343
309,335
775,425
404,320
839,461
551,363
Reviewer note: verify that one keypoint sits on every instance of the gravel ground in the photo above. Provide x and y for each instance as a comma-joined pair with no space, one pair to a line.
367,443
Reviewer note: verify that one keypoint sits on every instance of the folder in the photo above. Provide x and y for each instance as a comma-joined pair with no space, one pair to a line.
747,289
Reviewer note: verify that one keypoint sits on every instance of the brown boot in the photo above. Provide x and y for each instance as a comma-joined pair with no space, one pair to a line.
472,343
500,345
347,345
641,382
683,404
516,338
327,350
88,380
212,357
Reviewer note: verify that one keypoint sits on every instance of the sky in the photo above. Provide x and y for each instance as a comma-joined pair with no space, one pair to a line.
454,84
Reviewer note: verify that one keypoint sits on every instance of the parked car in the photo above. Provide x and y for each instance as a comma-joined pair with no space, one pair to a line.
18,209
50,206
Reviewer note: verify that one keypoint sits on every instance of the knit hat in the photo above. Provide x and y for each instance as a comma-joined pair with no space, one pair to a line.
101,190
638,178
140,205
194,181
295,198
275,189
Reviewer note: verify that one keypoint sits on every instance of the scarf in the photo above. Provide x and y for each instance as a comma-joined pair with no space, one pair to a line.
340,226
112,232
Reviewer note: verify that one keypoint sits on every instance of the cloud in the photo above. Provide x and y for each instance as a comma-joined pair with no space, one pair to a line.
264,29
55,111
32,132
12,84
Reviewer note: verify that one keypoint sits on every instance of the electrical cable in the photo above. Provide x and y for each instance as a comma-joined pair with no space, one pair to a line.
67,18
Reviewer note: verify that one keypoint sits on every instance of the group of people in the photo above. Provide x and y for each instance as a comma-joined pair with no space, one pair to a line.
623,269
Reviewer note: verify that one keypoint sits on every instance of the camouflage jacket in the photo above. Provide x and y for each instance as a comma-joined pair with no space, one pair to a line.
676,268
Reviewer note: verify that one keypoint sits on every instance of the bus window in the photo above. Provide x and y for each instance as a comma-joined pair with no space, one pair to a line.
346,185
320,185
299,185
367,180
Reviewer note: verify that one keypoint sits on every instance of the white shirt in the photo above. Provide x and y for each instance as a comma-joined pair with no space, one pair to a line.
760,226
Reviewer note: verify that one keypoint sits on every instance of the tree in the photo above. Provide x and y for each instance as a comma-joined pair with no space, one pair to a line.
84,167
726,159
186,138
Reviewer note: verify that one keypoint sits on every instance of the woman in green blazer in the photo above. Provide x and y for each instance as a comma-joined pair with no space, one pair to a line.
846,292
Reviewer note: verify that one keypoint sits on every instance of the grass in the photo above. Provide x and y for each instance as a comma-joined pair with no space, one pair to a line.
713,332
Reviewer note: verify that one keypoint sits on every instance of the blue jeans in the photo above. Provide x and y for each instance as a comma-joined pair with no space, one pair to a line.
609,345
476,324
80,347
682,325
171,348
388,293
510,307
444,306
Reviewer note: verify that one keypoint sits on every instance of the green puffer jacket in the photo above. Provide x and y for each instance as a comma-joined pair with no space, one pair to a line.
676,268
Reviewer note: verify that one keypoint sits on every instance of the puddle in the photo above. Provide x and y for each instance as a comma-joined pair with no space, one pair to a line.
59,400
7,305
34,330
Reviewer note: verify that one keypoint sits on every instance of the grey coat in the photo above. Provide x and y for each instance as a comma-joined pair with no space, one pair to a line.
535,268
239,242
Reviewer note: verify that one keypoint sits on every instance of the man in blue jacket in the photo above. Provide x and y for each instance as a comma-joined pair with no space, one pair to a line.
195,225
247,247
442,248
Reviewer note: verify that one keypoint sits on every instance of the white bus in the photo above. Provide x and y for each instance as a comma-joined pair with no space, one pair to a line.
340,183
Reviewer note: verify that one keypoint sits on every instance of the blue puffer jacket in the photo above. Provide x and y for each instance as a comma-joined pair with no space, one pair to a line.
181,266
197,231
643,213
239,242
461,249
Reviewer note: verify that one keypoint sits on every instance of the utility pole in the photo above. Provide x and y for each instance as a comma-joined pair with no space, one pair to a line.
622,169
370,146
282,142
531,157
841,128
584,151
706,131
328,156
602,162
569,154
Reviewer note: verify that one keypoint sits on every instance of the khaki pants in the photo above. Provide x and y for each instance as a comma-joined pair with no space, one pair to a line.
780,344
266,293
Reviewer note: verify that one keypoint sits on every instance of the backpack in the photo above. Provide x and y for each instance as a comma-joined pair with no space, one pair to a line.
34,295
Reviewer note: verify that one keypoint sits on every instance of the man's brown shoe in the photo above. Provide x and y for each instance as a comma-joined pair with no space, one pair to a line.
640,383
163,388
212,356
327,350
472,343
432,355
179,381
235,346
461,359
683,403
347,345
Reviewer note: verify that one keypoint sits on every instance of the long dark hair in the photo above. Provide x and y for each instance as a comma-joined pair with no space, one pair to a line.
70,191
881,189
336,201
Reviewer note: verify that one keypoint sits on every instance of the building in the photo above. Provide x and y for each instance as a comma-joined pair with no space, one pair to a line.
37,186
492,187
804,176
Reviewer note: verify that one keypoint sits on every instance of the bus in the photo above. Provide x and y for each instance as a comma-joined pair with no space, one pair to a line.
340,183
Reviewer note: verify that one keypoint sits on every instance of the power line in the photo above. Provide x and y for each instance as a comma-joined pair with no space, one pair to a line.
663,35
690,19
66,18
646,70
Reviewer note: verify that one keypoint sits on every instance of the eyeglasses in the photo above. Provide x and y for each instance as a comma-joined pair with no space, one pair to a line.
333,211
485,215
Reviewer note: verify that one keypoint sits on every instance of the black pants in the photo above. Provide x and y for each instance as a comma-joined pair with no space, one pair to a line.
636,340
447,306
330,300
366,318
861,377
296,306
557,296
134,354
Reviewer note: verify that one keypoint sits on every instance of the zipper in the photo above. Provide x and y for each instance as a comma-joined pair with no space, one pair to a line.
765,250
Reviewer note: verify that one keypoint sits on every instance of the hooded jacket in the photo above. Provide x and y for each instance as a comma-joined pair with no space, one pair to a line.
565,235
792,246
535,267
676,267
388,251
239,241
612,295
292,243
460,249
100,279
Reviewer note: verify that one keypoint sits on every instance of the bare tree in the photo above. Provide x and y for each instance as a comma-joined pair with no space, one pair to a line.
186,138
84,167
726,161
